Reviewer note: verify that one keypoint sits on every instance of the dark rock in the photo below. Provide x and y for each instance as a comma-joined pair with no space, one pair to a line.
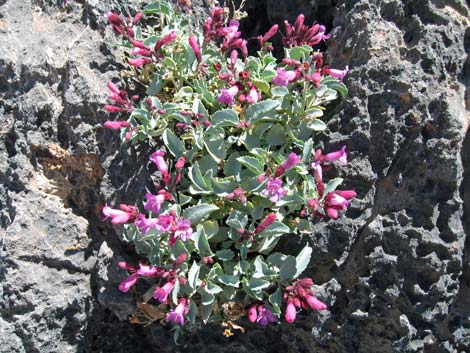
395,272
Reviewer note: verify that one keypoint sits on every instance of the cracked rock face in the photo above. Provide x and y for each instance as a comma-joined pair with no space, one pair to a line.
395,271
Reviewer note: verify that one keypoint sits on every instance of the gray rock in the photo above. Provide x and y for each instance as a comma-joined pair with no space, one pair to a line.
395,271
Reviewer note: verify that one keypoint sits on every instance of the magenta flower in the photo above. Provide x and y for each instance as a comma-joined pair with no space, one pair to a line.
120,100
314,303
274,190
145,224
340,156
177,315
262,40
165,222
137,18
300,34
291,312
161,293
195,47
339,74
265,316
165,40
238,193
227,95
116,125
283,77
125,214
267,221
154,203
162,166
253,96
253,313
148,271
139,62
183,229
291,161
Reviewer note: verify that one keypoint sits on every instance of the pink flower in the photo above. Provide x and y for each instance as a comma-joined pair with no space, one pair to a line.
314,303
262,40
265,316
165,223
139,62
137,18
237,193
165,40
125,285
340,156
161,293
154,203
339,74
177,315
274,190
116,125
336,201
227,95
291,312
267,221
162,166
253,313
183,229
125,214
283,77
145,224
291,161
195,46
300,34
253,96
148,271
180,163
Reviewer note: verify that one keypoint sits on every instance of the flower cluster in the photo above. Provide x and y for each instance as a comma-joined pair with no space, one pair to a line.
235,164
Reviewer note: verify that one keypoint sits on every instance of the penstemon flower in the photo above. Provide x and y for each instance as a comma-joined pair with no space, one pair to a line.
237,170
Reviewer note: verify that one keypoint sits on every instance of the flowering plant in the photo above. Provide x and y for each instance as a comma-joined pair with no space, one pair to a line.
236,164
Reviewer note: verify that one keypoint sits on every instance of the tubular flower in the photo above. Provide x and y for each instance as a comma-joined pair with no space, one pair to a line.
339,74
262,40
147,271
337,200
227,96
120,100
116,125
283,77
238,193
165,40
213,26
265,316
300,34
145,224
267,221
126,214
195,47
177,315
274,190
162,166
182,230
161,293
301,295
291,161
154,203
165,222
120,26
254,96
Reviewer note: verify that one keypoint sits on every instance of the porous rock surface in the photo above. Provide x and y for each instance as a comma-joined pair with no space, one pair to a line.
395,271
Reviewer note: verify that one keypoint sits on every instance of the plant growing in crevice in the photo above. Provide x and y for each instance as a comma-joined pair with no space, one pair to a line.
236,164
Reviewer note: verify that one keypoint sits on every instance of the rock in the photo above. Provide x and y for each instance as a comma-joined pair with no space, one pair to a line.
395,271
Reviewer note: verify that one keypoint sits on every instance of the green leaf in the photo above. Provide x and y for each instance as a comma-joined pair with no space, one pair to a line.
276,298
200,184
316,125
258,110
302,260
276,259
332,185
211,228
252,163
158,7
173,143
276,135
225,255
198,213
155,86
307,151
232,166
237,219
206,311
288,268
216,148
213,288
192,311
206,297
297,53
201,243
225,117
230,280
262,85
279,91
257,284
255,294
193,274
223,186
